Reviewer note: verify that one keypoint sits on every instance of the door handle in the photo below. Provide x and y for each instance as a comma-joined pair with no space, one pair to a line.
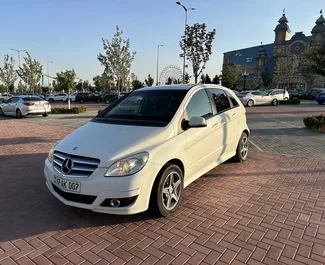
234,114
215,125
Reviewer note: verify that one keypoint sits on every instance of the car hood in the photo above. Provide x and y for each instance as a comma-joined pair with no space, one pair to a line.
109,142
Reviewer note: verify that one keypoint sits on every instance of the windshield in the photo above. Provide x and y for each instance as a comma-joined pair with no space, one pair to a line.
145,105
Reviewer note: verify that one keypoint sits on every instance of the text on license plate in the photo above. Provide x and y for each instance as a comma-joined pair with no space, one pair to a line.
66,184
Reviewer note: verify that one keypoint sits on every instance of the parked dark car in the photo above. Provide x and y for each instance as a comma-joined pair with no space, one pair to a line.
293,93
313,92
321,98
82,97
108,99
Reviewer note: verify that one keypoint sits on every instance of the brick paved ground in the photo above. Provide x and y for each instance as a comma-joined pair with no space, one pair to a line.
268,210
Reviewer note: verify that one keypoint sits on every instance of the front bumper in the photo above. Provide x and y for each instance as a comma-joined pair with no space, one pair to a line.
99,188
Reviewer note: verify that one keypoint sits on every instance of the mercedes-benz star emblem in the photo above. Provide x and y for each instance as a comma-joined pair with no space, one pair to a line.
75,148
67,166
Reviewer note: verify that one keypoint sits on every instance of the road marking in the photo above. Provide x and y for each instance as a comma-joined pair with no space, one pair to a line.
284,122
255,145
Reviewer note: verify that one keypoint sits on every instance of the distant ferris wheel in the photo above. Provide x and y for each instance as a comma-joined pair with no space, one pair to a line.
170,71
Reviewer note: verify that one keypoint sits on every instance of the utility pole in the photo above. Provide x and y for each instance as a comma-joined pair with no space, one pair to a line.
157,83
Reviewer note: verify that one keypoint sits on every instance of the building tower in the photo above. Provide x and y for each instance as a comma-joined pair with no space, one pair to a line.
282,31
261,58
318,32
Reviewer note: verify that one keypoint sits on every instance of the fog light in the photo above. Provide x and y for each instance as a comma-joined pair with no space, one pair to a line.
114,203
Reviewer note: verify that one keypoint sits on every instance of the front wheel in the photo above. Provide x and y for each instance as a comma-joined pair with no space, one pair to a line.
286,99
250,103
274,102
2,113
242,148
81,101
167,191
19,115
51,100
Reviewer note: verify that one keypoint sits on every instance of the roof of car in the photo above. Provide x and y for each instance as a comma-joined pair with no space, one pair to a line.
169,87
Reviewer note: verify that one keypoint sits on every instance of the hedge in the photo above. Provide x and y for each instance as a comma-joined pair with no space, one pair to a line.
315,123
290,102
74,110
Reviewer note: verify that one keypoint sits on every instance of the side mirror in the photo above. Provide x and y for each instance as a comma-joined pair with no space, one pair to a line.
197,122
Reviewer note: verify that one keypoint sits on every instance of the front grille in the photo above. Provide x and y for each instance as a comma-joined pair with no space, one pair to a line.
87,199
82,167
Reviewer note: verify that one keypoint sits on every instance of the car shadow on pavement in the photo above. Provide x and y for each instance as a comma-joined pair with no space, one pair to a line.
27,208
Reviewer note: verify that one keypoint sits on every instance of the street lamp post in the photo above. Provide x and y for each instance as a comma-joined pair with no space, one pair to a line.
245,75
18,51
157,83
184,57
48,73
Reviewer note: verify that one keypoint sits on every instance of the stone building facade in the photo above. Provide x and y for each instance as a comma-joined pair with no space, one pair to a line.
255,60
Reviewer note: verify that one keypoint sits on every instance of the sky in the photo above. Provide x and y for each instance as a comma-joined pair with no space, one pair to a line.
70,32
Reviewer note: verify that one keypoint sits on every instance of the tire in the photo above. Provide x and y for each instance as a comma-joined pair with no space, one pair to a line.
98,100
19,115
45,114
250,103
2,113
107,101
243,143
164,193
81,100
320,103
274,102
285,98
51,100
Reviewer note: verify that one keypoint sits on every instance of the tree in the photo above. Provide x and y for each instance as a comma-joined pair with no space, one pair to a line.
169,81
216,80
79,86
3,88
197,46
149,81
66,80
267,78
100,83
315,63
45,89
205,79
117,59
230,74
285,68
30,72
86,85
187,78
136,84
8,75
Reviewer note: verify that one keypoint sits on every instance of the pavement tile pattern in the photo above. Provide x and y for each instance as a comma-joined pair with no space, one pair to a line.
267,210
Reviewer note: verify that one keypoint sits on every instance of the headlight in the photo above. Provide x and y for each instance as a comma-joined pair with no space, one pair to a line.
50,155
128,166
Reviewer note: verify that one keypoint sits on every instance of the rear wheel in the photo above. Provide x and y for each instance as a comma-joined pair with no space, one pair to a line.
51,100
2,113
285,98
81,100
18,114
250,103
242,148
45,115
167,191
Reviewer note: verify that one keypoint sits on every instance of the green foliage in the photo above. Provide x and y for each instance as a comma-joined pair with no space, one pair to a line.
100,82
149,80
8,75
3,88
30,72
205,79
197,46
86,85
285,68
136,84
169,81
230,75
315,63
267,78
66,80
117,59
315,123
290,102
216,80
187,78
79,85
74,110
45,89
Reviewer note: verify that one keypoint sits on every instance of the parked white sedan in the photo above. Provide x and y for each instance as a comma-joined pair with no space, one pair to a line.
144,149
251,98
21,106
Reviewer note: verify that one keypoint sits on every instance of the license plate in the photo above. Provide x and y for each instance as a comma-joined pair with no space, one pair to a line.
39,105
67,184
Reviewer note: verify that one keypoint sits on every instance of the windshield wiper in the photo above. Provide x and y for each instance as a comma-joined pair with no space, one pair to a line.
137,117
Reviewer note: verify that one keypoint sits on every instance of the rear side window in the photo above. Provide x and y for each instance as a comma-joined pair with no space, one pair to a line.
220,99
232,99
32,99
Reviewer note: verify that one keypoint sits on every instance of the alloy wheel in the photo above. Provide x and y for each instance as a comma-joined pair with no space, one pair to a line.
172,190
244,147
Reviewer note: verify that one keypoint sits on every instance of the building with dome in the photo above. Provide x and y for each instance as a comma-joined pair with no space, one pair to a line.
255,60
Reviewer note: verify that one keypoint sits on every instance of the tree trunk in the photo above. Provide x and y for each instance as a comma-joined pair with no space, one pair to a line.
195,77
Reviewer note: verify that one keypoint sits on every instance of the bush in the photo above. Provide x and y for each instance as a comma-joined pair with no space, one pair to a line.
74,110
315,123
293,101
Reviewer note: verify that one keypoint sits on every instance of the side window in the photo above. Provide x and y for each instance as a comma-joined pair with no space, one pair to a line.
199,105
256,93
10,100
232,99
220,99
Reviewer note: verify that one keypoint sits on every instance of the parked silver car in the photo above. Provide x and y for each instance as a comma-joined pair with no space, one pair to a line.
21,106
253,97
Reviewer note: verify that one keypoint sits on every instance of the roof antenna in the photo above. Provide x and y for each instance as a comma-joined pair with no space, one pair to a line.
284,10
321,12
